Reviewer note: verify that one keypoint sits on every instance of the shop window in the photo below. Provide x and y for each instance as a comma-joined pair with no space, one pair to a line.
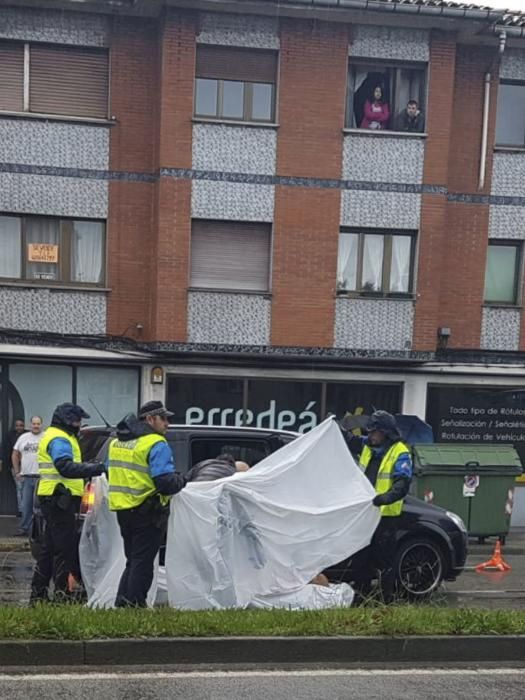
502,272
230,255
376,262
114,391
235,84
53,79
510,120
43,249
386,97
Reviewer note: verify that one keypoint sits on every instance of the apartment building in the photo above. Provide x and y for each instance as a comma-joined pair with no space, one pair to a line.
195,205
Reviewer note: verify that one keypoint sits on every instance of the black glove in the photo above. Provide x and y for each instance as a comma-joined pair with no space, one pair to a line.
380,501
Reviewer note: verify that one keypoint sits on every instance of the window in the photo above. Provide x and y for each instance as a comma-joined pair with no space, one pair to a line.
399,85
510,119
230,255
246,450
53,79
375,262
44,249
235,84
502,272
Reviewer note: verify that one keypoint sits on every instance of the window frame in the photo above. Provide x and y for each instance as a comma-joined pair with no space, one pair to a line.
388,235
497,144
247,115
26,83
248,89
518,246
64,267
382,63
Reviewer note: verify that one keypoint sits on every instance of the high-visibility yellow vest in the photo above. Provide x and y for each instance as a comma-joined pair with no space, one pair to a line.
49,474
385,474
130,483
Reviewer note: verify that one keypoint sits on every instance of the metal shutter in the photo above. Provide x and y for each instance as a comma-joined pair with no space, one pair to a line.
12,76
70,81
230,255
226,63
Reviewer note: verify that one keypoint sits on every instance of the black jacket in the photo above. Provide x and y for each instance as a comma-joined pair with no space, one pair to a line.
412,124
131,428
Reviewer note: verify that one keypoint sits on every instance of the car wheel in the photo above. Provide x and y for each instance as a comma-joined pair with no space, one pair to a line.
420,566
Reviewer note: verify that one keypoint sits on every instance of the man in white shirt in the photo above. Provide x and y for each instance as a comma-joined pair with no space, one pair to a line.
25,465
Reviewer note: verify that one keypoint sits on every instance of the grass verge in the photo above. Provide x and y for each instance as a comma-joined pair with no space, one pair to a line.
78,622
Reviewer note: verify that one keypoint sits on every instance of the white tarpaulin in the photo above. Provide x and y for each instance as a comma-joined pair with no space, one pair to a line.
253,539
268,531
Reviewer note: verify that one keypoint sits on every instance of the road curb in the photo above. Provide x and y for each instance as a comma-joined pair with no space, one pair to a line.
263,650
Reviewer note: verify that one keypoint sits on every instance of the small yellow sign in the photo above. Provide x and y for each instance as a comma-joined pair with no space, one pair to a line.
42,253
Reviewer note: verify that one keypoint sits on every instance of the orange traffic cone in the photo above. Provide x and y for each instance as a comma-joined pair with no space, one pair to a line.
495,562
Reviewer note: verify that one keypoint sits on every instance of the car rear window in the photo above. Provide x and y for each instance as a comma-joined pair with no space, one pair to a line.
246,450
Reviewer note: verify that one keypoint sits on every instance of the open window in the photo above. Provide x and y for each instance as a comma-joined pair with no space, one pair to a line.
399,85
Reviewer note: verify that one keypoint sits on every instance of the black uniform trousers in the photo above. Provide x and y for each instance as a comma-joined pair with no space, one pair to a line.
58,555
378,559
142,536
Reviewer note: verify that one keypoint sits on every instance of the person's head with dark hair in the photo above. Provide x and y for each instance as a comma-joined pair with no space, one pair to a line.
377,95
412,108
20,426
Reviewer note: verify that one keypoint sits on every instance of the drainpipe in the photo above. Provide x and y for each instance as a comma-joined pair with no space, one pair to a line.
484,133
486,109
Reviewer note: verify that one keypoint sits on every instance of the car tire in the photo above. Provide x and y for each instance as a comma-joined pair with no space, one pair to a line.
420,568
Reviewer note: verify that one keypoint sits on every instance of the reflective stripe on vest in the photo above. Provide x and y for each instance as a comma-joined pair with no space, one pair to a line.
385,474
49,474
130,483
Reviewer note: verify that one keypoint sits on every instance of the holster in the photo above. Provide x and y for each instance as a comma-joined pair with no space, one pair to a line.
62,498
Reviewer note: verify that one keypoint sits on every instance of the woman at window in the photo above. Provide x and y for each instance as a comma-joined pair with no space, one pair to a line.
376,111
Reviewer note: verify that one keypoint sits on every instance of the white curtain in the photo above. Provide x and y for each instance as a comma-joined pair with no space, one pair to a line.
409,87
42,230
347,262
372,280
10,259
400,267
87,251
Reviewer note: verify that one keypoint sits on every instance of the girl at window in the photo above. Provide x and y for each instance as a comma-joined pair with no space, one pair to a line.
376,111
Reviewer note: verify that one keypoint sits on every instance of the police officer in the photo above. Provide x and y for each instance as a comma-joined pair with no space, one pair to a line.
142,476
386,461
59,493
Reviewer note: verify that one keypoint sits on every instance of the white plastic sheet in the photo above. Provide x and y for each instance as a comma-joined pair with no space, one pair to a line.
101,552
264,534
251,540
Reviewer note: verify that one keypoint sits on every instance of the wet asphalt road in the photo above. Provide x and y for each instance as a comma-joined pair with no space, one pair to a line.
487,590
404,684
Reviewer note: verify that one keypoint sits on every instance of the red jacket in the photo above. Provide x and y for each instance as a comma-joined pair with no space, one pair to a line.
381,116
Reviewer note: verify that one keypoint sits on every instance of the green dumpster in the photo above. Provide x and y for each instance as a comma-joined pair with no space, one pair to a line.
475,481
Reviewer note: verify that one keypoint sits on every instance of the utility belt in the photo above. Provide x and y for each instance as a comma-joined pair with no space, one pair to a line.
62,499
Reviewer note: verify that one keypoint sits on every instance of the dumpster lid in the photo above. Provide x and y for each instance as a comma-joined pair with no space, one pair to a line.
460,455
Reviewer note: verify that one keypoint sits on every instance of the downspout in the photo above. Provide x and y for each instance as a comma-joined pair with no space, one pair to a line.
486,111
484,133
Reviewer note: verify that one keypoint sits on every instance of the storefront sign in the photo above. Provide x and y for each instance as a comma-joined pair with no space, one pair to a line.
469,414
275,404
42,253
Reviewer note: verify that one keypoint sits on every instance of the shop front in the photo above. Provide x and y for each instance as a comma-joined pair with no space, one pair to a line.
31,387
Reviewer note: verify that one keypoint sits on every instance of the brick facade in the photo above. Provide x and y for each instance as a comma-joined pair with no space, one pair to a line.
313,67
